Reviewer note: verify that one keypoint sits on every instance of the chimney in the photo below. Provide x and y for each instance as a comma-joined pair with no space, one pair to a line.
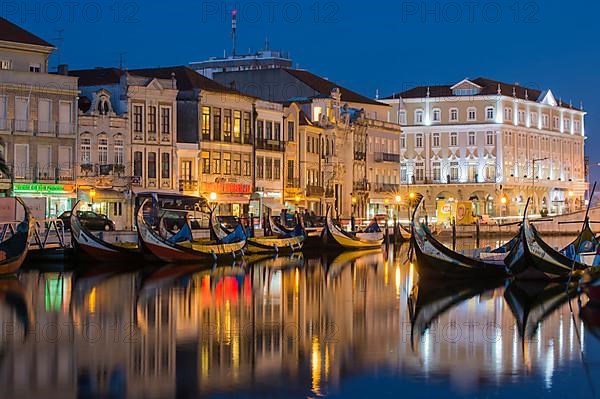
63,69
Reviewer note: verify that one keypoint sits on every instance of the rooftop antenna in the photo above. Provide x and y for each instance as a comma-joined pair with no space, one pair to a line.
121,58
267,43
233,30
59,40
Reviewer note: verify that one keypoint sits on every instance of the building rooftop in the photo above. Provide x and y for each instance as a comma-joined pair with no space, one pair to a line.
98,76
486,87
10,32
187,78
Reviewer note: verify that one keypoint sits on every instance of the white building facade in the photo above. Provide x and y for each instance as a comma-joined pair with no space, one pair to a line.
492,143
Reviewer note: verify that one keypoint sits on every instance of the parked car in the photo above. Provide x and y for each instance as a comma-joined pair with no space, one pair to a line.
65,217
91,220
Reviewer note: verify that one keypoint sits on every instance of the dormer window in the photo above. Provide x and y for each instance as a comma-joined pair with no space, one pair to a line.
465,88
466,92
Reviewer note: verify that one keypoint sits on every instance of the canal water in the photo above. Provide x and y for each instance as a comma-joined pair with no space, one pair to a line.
357,324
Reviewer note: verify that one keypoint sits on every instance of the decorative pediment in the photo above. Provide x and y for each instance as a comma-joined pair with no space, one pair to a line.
546,97
154,84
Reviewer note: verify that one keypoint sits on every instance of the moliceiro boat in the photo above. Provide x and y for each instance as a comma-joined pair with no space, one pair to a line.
183,248
435,260
98,249
13,250
286,243
334,236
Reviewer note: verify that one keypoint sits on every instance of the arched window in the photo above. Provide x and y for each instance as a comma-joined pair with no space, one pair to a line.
102,149
418,116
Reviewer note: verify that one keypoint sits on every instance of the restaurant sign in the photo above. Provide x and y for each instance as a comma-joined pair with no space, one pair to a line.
40,188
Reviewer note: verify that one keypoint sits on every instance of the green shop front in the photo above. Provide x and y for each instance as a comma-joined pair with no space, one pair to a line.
58,197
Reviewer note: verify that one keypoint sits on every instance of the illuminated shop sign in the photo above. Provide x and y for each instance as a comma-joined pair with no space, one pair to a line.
40,188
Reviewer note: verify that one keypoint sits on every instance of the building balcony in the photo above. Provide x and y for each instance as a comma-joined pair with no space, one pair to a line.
360,185
270,145
46,128
386,157
40,174
292,182
22,126
188,185
66,129
386,187
102,169
5,125
314,191
360,155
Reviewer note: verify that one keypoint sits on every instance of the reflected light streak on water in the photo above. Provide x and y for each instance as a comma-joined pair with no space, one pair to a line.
303,326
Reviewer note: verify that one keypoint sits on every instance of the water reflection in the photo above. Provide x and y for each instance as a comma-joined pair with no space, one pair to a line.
296,325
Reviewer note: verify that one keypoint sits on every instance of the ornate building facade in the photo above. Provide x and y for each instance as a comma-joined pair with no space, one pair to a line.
493,143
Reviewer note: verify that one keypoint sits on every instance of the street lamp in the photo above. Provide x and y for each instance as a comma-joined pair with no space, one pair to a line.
92,196
533,173
398,200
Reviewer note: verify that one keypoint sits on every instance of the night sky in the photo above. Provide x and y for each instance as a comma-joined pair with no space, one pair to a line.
367,46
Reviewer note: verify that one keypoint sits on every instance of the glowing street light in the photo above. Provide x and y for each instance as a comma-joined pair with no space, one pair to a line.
212,196
503,200
411,195
398,199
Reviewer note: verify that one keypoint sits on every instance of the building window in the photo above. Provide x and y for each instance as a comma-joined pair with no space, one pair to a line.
419,116
247,127
269,130
205,123
37,68
205,162
226,163
521,116
217,124
419,140
259,167
453,114
545,121
454,171
119,150
137,163
402,117
489,113
472,114
471,138
555,122
165,120
290,169
237,164
436,140
186,171
419,172
268,168
276,169
291,133
577,126
317,111
437,115
165,165
508,114
137,118
260,130
490,172
5,64
277,131
489,138
247,165
151,165
86,150
402,141
227,125
216,163
437,176
453,139
237,126
533,118
102,149
151,119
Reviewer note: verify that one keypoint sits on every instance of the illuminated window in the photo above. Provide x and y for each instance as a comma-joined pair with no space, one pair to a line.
237,126
317,111
205,123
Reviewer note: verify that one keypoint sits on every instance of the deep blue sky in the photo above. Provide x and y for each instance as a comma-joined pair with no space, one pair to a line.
385,45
